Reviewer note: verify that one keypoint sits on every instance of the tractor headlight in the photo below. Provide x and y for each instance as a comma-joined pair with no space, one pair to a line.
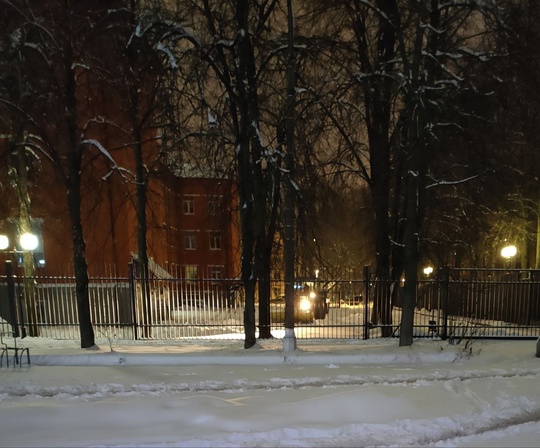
304,305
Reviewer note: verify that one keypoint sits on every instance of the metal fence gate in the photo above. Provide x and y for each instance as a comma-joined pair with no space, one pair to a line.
466,303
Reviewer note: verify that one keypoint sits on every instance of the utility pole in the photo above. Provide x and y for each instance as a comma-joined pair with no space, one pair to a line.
289,341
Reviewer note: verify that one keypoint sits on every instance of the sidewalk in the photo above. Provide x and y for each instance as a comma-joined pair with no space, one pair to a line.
352,393
51,352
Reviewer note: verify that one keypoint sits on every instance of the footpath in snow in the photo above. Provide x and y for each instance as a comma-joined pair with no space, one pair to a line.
214,393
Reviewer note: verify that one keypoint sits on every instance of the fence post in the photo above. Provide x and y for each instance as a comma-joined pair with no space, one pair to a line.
11,298
533,308
444,284
131,271
366,302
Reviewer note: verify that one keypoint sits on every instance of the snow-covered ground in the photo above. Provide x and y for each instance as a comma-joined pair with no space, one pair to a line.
214,393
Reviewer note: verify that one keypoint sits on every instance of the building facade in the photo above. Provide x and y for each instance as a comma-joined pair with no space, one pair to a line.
192,225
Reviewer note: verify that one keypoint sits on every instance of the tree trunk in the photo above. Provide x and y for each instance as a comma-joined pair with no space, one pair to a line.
289,341
265,277
253,218
25,226
537,260
414,166
415,172
381,311
264,296
378,93
142,250
135,87
411,256
79,260
73,182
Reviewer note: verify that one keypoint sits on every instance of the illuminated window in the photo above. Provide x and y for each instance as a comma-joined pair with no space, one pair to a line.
191,271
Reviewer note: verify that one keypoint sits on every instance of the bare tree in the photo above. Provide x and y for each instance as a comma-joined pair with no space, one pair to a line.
50,41
237,50
148,41
434,56
399,77
68,56
515,111
19,161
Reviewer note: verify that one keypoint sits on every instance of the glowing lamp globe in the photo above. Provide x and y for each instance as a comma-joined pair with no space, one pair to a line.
509,252
28,241
4,242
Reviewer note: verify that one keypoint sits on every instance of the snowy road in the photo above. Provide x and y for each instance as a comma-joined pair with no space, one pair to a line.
491,399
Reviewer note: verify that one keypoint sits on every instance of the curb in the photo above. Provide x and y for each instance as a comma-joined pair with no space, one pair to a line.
262,359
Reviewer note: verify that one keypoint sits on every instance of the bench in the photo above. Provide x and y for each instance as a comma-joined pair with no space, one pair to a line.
18,351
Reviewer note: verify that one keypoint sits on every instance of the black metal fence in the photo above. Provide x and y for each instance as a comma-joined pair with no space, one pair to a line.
466,303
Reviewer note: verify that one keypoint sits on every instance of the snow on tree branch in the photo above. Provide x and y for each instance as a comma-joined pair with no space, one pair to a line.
168,52
107,154
447,182
100,147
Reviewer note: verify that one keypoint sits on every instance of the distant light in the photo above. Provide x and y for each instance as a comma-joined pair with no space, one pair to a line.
508,252
29,241
41,263
428,270
4,242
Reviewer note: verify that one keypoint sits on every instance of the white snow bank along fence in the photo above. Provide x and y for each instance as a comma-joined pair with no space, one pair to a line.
453,304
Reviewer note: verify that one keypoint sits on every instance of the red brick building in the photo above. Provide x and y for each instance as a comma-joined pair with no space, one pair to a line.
192,223
200,237
191,219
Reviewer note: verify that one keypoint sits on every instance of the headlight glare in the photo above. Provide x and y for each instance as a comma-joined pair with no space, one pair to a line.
304,305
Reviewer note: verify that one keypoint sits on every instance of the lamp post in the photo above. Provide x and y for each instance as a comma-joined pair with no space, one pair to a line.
508,253
28,242
4,245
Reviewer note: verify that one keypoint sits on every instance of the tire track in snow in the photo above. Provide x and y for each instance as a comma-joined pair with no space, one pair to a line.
489,428
97,391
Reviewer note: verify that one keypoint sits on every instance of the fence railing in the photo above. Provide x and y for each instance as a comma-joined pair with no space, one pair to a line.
452,304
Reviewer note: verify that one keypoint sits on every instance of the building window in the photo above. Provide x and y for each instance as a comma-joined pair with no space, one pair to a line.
190,243
188,206
213,206
215,241
190,272
216,272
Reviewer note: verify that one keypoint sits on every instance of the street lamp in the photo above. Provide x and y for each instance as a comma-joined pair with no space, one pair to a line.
4,242
28,242
428,271
509,252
